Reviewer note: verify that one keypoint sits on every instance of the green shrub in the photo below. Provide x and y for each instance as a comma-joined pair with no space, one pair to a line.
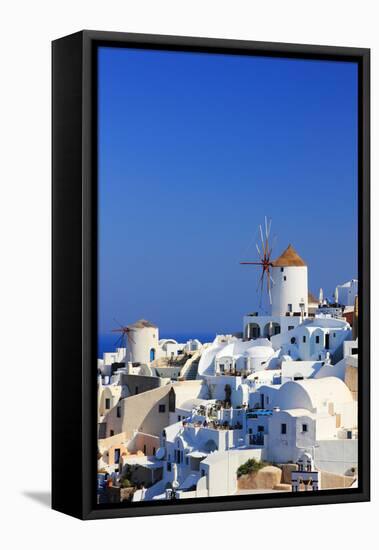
251,466
125,483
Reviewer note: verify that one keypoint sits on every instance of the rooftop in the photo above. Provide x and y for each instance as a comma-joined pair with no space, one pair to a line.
312,298
289,258
142,323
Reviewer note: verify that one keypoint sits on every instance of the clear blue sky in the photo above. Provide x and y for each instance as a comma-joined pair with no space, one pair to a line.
194,150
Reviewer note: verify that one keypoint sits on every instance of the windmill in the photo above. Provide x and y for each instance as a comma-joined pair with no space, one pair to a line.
264,249
124,332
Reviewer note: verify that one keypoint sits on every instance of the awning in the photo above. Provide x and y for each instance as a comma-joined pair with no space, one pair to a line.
197,454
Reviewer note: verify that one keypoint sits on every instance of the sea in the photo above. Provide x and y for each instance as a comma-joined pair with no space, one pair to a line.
108,342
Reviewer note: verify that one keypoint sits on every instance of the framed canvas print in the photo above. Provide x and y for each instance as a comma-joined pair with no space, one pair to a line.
211,336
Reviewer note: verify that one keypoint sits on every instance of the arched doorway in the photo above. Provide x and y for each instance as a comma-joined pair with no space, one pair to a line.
271,329
253,331
152,354
228,394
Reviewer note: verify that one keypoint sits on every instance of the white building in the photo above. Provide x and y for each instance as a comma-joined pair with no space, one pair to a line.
232,356
347,292
290,284
104,365
200,455
314,339
289,298
286,393
318,414
143,338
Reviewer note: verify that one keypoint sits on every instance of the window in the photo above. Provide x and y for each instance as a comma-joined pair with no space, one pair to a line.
285,278
291,327
107,403
290,308
304,428
144,449
111,432
177,456
261,428
179,418
162,408
304,339
169,466
317,339
282,269
119,411
283,429
136,390
154,451
354,351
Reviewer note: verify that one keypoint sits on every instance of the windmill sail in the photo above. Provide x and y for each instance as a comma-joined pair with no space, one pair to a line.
264,249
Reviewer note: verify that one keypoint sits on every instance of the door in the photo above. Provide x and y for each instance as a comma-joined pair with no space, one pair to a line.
326,341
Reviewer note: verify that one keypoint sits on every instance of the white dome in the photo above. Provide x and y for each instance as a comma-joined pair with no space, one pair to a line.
259,351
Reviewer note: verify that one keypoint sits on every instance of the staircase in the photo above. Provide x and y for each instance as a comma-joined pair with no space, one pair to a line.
189,371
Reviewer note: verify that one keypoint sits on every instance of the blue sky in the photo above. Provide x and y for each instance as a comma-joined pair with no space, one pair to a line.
194,150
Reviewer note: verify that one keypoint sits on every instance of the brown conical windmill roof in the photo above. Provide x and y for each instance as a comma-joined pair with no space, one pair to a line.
312,298
289,258
142,323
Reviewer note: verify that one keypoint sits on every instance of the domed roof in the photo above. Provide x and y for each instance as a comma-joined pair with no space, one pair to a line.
259,351
289,258
252,348
142,323
311,394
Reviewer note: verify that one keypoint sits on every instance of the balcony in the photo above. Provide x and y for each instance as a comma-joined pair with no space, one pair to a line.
257,439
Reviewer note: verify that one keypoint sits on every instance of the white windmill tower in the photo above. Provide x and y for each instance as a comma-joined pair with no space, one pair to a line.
289,275
285,279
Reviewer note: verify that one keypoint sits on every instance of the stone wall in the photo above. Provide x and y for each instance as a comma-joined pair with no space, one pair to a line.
266,478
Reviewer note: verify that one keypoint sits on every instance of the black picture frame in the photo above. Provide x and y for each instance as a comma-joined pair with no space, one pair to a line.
74,272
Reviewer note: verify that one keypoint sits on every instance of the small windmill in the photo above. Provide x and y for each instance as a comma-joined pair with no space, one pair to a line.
125,332
264,250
